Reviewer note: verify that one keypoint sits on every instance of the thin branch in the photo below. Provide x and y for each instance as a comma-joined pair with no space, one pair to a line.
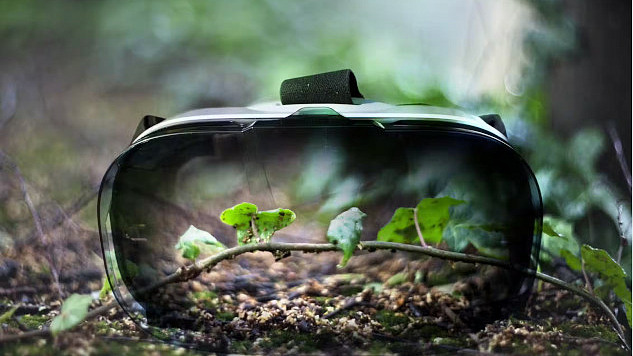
586,277
254,228
617,145
417,227
623,241
184,274
37,221
192,271
65,213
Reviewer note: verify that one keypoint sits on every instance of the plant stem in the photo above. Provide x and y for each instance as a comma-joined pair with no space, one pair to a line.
37,221
417,227
254,228
617,146
584,274
623,240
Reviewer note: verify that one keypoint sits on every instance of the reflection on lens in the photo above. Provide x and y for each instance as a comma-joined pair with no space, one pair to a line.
471,194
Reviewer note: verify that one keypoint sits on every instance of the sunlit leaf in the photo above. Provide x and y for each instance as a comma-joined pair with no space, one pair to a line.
74,311
400,228
345,230
268,222
243,217
194,241
190,250
610,272
240,217
433,216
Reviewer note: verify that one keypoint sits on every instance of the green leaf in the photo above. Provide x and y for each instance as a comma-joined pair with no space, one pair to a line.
401,228
558,240
610,272
194,241
547,229
190,250
8,314
345,230
456,236
243,216
572,261
488,242
433,216
240,217
267,222
74,311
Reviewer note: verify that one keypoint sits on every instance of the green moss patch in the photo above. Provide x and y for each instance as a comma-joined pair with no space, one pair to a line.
305,342
392,321
225,316
588,331
33,321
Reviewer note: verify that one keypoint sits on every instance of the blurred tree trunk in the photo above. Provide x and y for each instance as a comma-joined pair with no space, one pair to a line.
594,88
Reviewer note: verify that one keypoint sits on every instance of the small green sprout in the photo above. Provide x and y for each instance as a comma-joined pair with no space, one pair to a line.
254,226
194,241
74,311
345,230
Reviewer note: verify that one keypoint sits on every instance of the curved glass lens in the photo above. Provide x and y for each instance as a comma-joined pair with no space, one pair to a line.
162,200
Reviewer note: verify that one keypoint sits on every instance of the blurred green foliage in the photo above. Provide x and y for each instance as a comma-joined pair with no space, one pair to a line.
85,72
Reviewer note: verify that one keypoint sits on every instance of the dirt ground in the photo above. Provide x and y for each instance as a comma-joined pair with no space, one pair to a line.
387,308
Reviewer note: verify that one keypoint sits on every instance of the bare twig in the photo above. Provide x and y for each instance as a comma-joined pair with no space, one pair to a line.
254,228
623,241
349,303
617,145
37,221
8,102
65,213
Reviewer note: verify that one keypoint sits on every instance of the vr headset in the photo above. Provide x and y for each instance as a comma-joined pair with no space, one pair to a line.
321,151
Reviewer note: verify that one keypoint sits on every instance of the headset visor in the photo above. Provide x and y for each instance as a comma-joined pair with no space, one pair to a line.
172,180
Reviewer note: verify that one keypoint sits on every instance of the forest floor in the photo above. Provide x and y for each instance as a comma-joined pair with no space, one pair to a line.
385,309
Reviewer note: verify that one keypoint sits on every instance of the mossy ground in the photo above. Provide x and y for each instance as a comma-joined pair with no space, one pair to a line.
344,313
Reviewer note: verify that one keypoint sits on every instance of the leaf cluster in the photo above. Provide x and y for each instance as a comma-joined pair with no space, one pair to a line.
558,241
253,226
433,216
